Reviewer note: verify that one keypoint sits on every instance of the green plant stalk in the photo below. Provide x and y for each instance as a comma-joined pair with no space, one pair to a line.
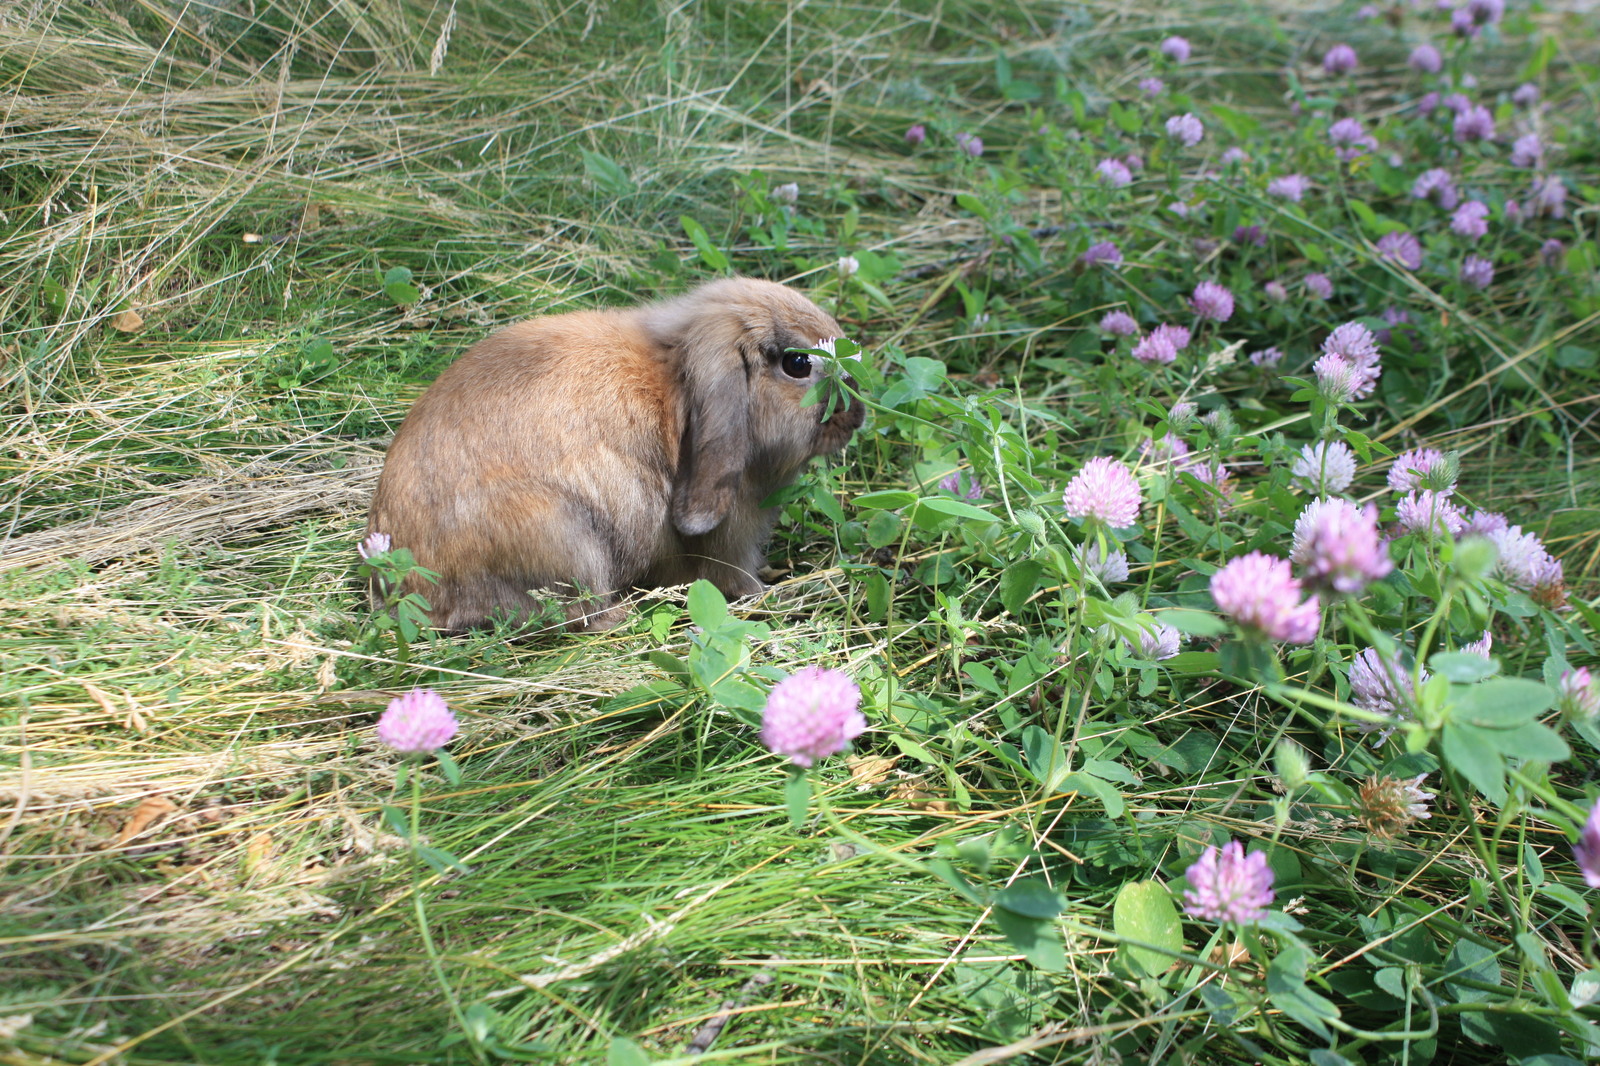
402,646
422,916
1479,845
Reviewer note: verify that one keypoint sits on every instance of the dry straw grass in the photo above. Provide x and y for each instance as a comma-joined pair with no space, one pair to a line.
190,777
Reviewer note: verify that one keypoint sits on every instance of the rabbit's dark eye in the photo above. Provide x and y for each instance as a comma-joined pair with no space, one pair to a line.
797,364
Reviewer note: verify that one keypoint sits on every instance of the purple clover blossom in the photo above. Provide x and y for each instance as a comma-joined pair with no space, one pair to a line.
1553,254
1587,850
788,193
1511,212
1324,468
1266,357
1480,647
1235,155
1178,334
1380,683
1135,161
1260,594
1105,252
1486,12
1425,59
1291,187
962,485
1226,885
1339,546
1113,173
1523,563
1109,568
1427,104
916,135
1471,219
375,544
1549,197
1423,468
1350,139
1211,474
1436,184
1212,301
1457,104
1152,86
1429,514
1388,806
1580,694
1170,448
1336,378
1119,324
1475,124
1526,95
1400,246
1355,344
1162,345
1527,151
1394,316
1176,49
1353,341
970,143
1549,589
1483,523
812,714
1155,347
1185,129
1105,490
1477,271
1462,24
1340,59
1275,292
417,723
1158,645
1251,234
1318,286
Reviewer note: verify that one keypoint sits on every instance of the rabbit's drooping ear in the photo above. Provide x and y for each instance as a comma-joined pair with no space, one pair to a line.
716,444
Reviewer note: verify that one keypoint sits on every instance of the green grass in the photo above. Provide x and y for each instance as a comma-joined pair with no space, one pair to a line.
194,861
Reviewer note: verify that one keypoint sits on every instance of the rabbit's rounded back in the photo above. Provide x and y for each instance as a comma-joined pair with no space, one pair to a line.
587,452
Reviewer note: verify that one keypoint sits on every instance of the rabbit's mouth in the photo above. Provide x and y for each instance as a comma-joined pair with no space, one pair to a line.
835,431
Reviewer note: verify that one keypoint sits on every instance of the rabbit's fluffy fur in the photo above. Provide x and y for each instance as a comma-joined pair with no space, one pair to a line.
591,452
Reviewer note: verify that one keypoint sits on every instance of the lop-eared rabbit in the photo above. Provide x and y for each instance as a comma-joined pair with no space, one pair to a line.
597,451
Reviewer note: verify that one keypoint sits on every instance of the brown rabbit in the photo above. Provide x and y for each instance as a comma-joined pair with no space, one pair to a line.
590,452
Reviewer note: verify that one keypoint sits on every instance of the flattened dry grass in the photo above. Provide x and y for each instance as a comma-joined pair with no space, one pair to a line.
196,867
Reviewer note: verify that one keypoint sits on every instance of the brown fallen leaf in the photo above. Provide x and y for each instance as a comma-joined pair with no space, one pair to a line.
913,795
133,718
1234,954
870,769
144,816
257,851
102,697
127,321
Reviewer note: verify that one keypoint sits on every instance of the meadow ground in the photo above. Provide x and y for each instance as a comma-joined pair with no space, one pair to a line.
238,238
